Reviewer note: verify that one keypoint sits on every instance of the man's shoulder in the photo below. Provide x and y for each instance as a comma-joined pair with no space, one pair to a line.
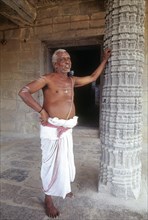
48,76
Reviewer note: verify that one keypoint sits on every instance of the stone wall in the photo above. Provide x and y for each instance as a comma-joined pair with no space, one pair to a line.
20,64
70,20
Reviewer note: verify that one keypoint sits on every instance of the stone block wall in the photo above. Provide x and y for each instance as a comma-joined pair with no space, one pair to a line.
70,20
20,64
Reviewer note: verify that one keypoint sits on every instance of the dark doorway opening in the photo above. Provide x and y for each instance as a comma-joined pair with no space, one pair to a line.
85,59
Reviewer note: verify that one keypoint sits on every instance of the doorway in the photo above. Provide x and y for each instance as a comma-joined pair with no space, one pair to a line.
85,59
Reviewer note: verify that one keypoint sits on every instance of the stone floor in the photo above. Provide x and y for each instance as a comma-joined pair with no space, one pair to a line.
21,195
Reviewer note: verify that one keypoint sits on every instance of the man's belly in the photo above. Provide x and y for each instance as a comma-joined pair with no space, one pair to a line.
60,110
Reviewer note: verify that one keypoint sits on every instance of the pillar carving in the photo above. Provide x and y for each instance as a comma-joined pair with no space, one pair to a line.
121,108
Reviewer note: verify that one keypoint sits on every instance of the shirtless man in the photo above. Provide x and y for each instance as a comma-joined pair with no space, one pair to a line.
58,89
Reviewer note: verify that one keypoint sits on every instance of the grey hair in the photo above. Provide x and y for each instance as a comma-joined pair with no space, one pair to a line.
55,56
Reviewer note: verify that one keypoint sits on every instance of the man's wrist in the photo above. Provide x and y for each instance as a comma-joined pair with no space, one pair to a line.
40,110
104,61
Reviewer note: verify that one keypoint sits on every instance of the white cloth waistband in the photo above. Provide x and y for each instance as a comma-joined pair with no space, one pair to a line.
51,133
70,123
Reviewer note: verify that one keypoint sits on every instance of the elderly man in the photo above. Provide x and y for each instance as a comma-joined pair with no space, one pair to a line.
57,116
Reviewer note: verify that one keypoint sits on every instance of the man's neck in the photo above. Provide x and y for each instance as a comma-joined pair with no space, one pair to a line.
64,75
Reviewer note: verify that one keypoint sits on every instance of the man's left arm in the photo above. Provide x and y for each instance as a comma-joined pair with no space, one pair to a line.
82,81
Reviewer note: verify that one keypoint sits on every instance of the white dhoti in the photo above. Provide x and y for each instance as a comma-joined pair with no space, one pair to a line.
58,168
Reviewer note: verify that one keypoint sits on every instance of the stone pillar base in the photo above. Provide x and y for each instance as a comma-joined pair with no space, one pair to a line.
120,191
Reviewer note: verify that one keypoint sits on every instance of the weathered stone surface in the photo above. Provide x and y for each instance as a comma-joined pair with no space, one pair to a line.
15,174
14,212
24,200
121,118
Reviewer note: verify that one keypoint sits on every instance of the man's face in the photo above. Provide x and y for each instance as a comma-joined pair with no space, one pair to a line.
63,63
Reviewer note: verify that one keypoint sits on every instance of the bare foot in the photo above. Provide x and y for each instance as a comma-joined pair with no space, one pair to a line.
51,211
70,195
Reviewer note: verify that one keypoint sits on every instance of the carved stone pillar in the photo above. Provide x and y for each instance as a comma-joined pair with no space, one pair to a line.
121,111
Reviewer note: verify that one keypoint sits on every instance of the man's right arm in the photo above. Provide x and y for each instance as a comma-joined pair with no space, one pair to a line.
26,93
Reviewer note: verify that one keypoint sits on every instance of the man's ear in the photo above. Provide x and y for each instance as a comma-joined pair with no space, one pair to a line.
55,66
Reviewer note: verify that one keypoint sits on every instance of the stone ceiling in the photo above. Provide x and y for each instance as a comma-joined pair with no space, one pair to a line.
20,13
14,13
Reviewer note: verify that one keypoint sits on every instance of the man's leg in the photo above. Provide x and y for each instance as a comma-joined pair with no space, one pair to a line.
50,208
